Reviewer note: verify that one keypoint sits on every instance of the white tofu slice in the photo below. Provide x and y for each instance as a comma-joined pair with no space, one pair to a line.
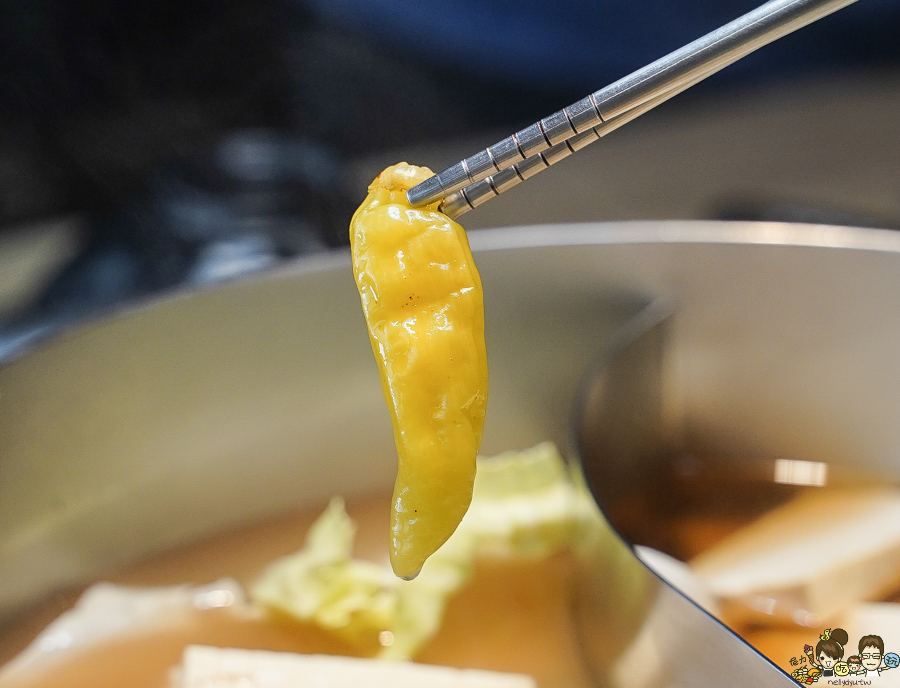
810,558
213,667
107,611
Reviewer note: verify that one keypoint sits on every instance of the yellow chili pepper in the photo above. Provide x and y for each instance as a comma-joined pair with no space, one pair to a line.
422,299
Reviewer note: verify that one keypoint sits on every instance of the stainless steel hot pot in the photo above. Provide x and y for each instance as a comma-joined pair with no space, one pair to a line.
207,409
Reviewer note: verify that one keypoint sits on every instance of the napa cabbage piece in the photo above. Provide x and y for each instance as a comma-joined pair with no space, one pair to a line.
322,584
525,505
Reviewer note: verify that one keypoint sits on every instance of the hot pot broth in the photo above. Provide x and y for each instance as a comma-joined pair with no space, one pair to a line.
702,528
695,502
512,616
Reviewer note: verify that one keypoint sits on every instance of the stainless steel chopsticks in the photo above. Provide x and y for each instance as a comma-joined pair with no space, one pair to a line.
492,171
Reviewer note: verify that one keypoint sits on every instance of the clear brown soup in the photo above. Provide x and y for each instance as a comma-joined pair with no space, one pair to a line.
693,502
511,617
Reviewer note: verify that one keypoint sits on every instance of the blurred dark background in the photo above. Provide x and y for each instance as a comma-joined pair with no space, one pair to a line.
147,145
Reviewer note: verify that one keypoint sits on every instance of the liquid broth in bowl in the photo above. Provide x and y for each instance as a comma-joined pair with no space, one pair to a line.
813,545
512,616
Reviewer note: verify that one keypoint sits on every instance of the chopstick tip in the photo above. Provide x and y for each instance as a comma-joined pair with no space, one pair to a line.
425,192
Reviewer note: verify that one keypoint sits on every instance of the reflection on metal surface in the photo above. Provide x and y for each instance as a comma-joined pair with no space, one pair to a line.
160,407
637,631
793,472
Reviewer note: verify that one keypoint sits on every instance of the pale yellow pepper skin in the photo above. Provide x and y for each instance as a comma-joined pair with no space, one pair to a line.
422,299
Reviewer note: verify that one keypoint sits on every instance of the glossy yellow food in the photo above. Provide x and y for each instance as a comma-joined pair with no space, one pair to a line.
422,299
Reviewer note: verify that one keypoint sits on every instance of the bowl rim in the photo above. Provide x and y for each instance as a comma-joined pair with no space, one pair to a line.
604,233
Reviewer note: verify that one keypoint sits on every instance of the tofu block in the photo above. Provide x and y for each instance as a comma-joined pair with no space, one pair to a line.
106,612
811,558
213,667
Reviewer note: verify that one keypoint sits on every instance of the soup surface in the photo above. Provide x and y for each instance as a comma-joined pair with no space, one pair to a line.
512,616
693,504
